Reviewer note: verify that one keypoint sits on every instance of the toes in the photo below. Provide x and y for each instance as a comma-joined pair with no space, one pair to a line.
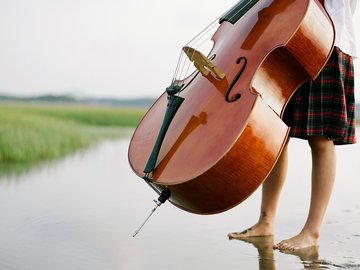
285,246
235,235
282,245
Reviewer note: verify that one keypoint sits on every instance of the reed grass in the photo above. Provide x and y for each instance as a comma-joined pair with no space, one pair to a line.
89,115
33,133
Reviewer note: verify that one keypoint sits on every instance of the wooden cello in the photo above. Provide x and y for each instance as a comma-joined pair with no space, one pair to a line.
212,138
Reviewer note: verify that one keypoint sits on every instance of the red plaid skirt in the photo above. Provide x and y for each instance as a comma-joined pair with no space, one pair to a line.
326,106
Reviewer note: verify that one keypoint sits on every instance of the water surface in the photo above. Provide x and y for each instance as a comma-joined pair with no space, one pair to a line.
81,213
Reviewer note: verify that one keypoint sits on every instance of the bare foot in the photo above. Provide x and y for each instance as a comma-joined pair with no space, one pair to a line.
304,239
259,229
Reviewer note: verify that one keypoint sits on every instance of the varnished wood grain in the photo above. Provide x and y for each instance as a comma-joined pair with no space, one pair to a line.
215,153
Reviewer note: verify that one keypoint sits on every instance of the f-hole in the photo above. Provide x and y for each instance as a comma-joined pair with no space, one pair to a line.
242,61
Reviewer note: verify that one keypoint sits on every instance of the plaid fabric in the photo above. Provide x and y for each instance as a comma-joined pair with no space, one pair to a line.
326,106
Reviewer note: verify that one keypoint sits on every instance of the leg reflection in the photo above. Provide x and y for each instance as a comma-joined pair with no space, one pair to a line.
264,245
309,257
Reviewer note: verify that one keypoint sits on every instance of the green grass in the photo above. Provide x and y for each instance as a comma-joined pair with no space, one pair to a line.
88,115
33,133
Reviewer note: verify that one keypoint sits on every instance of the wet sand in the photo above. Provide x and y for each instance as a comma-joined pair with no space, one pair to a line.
81,213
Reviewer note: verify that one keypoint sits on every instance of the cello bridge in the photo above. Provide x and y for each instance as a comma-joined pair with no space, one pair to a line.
202,63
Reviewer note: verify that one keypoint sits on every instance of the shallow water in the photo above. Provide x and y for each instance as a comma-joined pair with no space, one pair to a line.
81,213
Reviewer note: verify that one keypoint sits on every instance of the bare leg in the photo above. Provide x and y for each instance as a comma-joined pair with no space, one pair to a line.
271,189
323,178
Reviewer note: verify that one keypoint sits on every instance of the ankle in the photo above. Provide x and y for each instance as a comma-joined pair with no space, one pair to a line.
314,234
266,220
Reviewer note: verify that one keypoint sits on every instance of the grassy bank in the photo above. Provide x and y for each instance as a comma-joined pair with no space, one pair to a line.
30,133
33,133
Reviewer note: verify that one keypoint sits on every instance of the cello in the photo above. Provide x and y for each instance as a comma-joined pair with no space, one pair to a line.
212,138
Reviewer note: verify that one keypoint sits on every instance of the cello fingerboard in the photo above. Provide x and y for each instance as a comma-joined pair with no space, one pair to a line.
237,11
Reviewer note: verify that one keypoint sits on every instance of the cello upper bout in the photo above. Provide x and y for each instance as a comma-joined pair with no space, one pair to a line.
311,45
301,59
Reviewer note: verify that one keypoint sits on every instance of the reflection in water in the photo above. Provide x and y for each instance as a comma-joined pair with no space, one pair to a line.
13,171
309,257
80,213
264,246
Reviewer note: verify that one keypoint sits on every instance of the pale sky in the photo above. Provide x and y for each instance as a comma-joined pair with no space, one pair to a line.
102,48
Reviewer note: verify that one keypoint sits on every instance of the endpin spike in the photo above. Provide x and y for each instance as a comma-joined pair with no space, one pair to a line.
152,211
165,194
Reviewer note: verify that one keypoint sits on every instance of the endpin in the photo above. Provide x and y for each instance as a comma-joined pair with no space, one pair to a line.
164,195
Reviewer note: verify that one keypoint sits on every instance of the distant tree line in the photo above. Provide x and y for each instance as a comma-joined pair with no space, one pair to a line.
135,102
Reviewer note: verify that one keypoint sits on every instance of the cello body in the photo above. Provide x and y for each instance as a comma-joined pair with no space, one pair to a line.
218,151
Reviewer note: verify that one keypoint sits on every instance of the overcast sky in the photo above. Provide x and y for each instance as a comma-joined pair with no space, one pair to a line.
104,48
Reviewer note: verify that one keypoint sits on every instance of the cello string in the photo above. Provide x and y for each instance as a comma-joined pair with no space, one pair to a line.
180,67
196,43
179,70
205,37
193,40
177,66
212,24
189,64
185,60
